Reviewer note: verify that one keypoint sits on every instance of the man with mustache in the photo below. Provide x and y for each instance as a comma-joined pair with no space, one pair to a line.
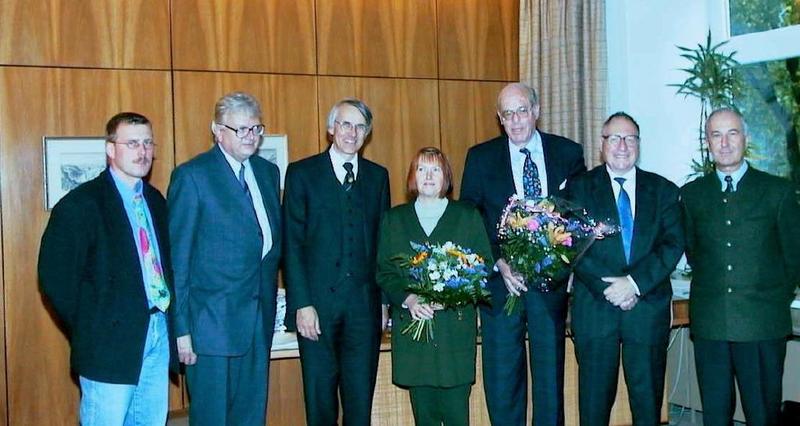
224,223
333,204
104,265
533,164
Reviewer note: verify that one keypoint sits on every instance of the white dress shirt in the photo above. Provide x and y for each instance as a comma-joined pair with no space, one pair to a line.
534,145
338,161
258,201
630,188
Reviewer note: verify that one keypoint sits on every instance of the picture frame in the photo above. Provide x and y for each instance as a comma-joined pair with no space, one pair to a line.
275,149
68,162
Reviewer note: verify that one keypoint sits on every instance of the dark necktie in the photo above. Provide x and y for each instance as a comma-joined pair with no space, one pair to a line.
729,186
625,217
530,176
349,177
244,184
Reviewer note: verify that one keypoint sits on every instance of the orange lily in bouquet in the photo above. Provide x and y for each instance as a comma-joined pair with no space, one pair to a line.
542,238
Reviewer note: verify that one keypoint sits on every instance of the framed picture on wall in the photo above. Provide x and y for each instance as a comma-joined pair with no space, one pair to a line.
69,162
275,149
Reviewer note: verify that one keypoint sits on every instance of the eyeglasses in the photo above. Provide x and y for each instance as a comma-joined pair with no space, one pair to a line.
630,140
134,145
348,126
521,112
242,132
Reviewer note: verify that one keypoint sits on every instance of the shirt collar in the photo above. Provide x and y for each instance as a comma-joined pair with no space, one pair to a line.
338,160
737,176
126,191
534,145
234,163
629,176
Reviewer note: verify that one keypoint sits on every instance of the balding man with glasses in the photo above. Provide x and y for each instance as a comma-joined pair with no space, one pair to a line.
623,294
333,203
224,223
529,163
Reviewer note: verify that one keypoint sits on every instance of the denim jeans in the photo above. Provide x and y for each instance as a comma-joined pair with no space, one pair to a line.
146,403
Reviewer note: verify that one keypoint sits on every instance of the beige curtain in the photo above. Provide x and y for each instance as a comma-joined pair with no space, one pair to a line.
562,53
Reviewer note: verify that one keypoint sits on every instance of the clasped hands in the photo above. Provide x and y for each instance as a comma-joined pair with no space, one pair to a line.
620,292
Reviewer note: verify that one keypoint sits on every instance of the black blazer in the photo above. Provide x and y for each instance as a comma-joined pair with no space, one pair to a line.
488,182
89,271
313,228
657,245
220,276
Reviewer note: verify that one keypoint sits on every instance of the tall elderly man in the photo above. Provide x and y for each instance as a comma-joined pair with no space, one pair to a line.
529,163
104,265
743,244
224,223
622,287
333,203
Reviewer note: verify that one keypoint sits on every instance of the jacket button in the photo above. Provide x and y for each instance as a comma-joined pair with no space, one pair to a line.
332,289
730,267
728,222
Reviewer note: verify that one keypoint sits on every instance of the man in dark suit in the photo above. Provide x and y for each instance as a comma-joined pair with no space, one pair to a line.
104,266
534,164
224,222
743,243
622,286
332,205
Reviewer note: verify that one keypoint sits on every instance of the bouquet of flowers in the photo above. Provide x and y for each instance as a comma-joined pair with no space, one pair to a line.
446,275
541,238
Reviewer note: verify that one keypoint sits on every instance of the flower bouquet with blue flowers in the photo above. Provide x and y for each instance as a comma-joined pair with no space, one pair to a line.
541,239
446,275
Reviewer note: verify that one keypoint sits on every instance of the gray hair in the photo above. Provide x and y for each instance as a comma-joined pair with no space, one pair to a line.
237,102
529,92
733,111
355,103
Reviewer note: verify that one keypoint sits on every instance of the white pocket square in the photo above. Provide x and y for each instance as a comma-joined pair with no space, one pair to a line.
563,185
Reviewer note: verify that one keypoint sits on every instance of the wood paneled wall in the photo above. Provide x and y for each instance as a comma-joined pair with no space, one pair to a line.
429,69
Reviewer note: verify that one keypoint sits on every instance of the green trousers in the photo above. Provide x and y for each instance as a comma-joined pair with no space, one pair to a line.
434,406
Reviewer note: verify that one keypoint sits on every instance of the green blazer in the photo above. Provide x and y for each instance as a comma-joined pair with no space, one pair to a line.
744,249
449,360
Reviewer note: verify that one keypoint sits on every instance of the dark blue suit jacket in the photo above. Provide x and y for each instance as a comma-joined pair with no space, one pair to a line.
657,245
220,277
313,228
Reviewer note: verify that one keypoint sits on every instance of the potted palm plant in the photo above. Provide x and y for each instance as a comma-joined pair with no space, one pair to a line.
714,79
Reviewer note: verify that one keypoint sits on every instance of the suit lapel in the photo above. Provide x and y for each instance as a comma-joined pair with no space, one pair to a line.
119,228
226,177
550,163
503,167
266,188
645,214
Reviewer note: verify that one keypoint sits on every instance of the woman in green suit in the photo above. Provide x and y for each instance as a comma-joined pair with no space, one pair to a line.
438,374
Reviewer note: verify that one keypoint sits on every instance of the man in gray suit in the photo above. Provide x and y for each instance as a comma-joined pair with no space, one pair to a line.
224,222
